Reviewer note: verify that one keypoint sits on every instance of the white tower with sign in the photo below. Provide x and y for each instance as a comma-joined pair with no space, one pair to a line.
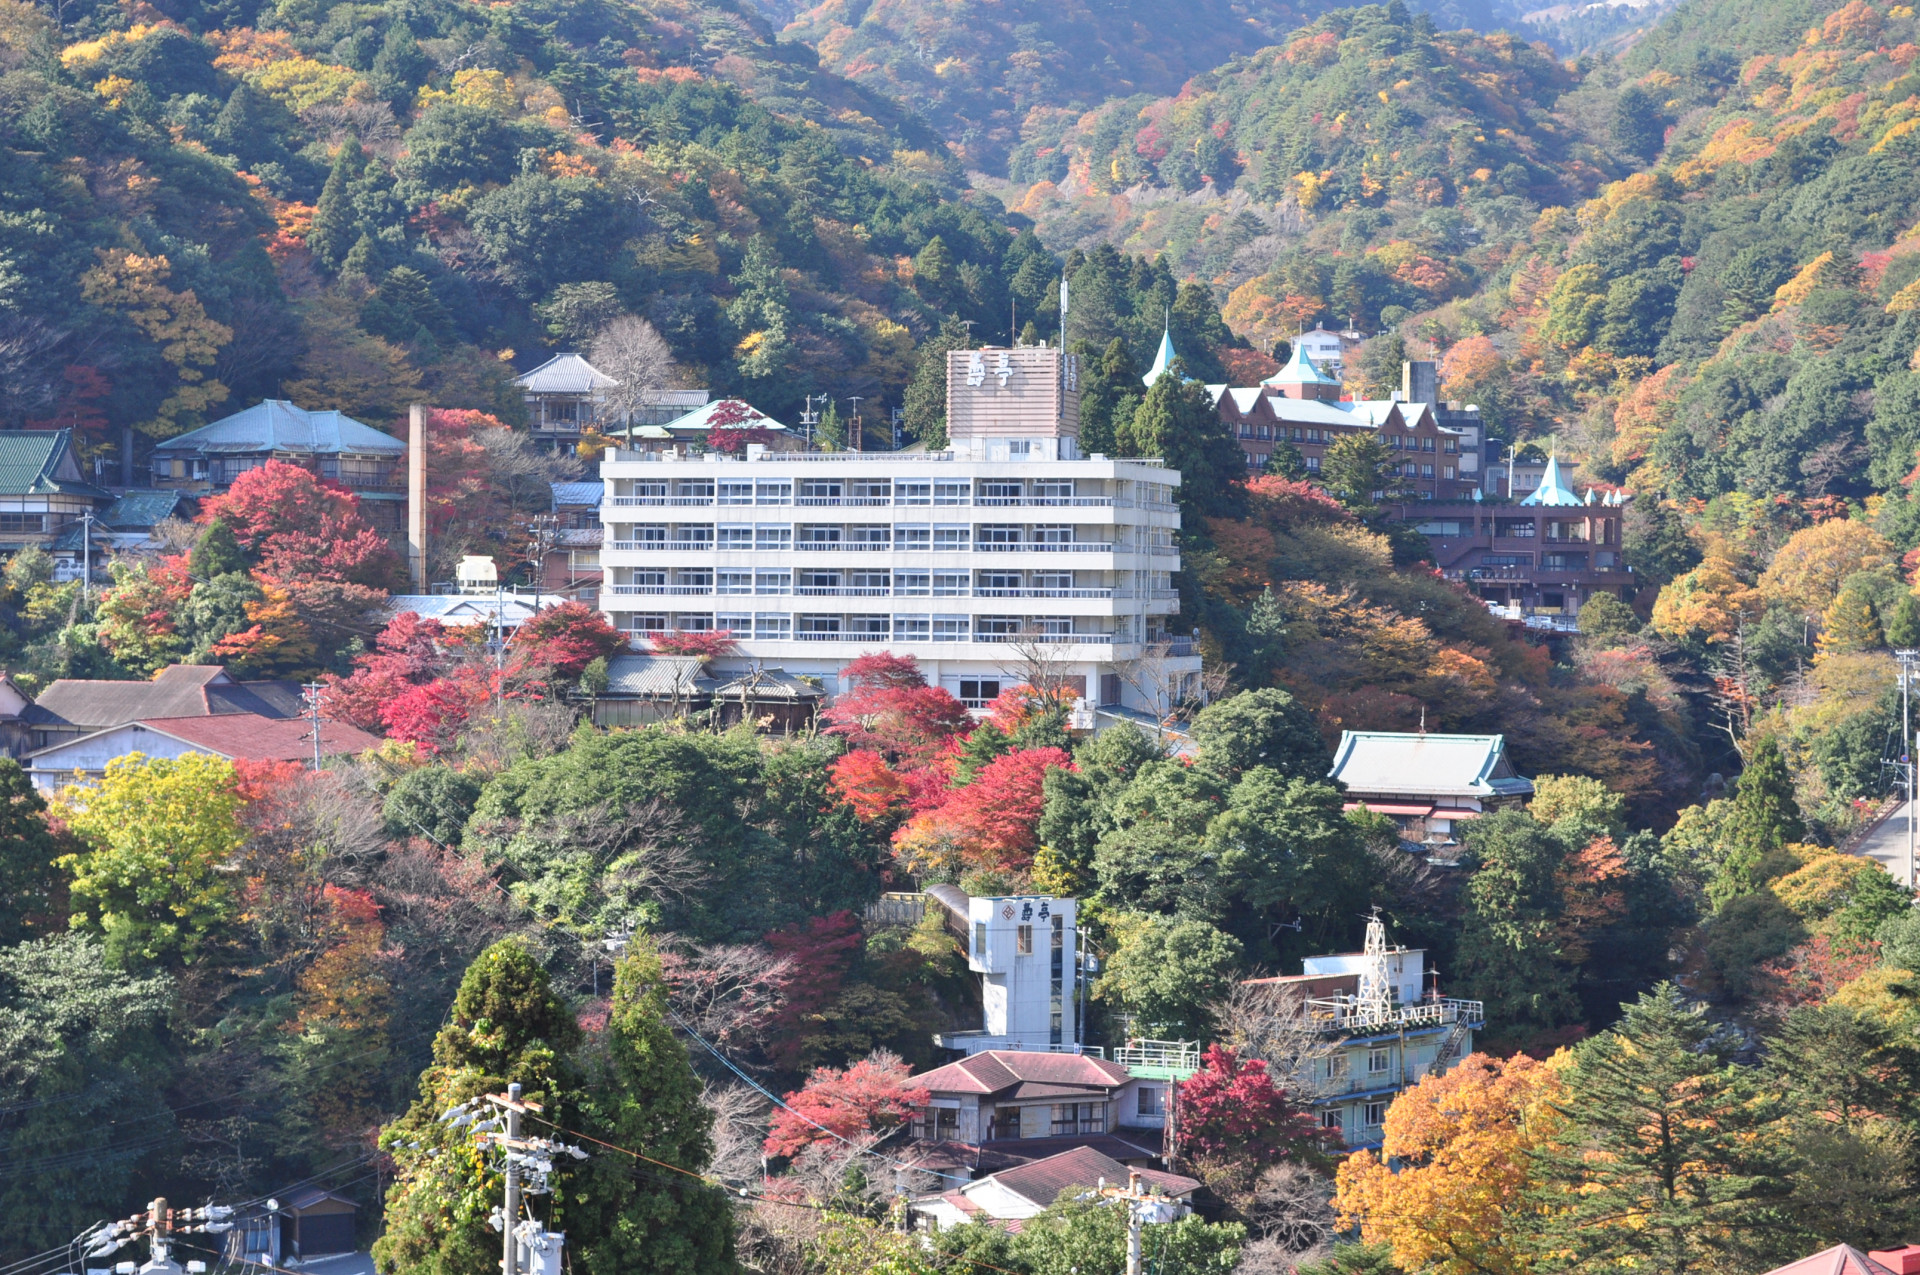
1024,948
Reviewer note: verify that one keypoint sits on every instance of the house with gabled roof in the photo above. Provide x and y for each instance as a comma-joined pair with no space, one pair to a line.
233,736
329,444
71,707
1430,785
42,488
1002,1107
1016,1194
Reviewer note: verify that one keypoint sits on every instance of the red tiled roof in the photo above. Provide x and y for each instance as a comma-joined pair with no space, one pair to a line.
1841,1259
961,1202
1043,1180
1007,1153
998,1069
252,737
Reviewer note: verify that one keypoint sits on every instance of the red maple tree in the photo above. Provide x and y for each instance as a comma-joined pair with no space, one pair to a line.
863,780
730,427
819,953
1234,1119
297,527
566,638
889,707
408,653
708,645
872,1096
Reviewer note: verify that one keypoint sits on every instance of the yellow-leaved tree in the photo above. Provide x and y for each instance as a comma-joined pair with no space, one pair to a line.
1707,604
189,340
1807,572
1463,1142
160,834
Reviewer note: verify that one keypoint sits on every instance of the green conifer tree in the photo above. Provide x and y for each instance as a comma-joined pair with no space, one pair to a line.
1666,1165
506,1026
831,433
1903,626
335,222
1509,951
216,552
1765,817
1177,422
646,1098
1107,378
925,402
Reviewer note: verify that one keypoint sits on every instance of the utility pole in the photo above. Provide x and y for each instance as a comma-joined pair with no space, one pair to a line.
513,1107
854,431
532,1157
311,692
86,558
1907,660
158,1225
1143,1207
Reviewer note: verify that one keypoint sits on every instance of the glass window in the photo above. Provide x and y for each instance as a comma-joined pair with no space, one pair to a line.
998,534
870,584
780,493
736,493
694,622
951,537
913,493
1332,1120
1150,1101
912,628
999,493
949,584
767,536
1047,490
700,533
737,536
772,625
733,582
979,940
950,628
740,622
867,626
773,582
652,533
999,584
952,493
910,536
1053,534
911,584
870,534
1376,1114
818,534
1023,940
978,693
1378,1060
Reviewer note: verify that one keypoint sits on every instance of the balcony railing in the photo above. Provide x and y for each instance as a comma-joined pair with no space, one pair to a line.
1350,1016
1159,1053
1048,639
1043,593
1071,546
1050,502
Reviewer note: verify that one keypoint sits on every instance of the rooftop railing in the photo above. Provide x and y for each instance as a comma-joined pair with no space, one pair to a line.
1177,1054
1349,1016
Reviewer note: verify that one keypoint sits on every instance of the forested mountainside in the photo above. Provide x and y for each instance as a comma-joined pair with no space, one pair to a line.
991,77
357,206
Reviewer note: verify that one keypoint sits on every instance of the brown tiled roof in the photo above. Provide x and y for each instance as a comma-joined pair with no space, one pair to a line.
994,1070
1042,1181
961,1202
1041,1089
183,690
1008,1153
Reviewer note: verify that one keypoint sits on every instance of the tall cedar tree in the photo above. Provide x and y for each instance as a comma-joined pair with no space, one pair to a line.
1106,378
1509,950
647,1099
1666,1163
925,402
506,1026
1764,818
1849,1080
1177,423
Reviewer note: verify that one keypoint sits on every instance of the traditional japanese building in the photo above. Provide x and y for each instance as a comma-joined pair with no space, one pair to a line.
1430,785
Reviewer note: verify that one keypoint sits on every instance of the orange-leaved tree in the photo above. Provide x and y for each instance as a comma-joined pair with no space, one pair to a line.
1463,1142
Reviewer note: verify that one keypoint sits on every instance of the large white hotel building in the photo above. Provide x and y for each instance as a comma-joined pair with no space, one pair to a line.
1008,551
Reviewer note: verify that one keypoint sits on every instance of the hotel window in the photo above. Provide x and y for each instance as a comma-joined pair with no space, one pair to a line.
1053,533
771,625
1426,444
952,493
696,533
647,623
772,536
1447,471
912,628
1051,490
773,494
733,582
911,584
1451,445
953,537
694,622
1023,940
997,534
912,537
737,536
951,628
650,533
772,582
736,493
949,584
739,622
978,693
913,493
867,626
1295,435
980,941
1426,471
1313,464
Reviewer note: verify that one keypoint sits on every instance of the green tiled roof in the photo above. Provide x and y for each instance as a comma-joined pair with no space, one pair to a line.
38,462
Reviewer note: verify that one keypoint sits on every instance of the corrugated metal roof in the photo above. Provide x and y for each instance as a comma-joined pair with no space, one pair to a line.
279,426
1420,765
582,494
41,462
565,374
142,509
768,684
644,676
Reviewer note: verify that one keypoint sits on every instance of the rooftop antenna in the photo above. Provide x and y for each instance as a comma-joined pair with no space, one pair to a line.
854,432
1423,719
1374,1001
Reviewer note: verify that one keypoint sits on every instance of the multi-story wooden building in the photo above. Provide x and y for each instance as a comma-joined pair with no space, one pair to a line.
329,444
1544,556
43,490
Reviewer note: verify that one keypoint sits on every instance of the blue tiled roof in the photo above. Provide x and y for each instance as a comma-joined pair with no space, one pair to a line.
279,426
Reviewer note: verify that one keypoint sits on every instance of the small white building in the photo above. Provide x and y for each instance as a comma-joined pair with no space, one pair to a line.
1025,949
1328,350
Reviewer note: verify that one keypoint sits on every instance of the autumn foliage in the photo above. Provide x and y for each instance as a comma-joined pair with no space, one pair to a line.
871,1096
1459,1144
296,527
1234,1120
889,707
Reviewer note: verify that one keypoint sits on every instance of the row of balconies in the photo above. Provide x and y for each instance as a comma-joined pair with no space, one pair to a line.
771,540
884,502
819,591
